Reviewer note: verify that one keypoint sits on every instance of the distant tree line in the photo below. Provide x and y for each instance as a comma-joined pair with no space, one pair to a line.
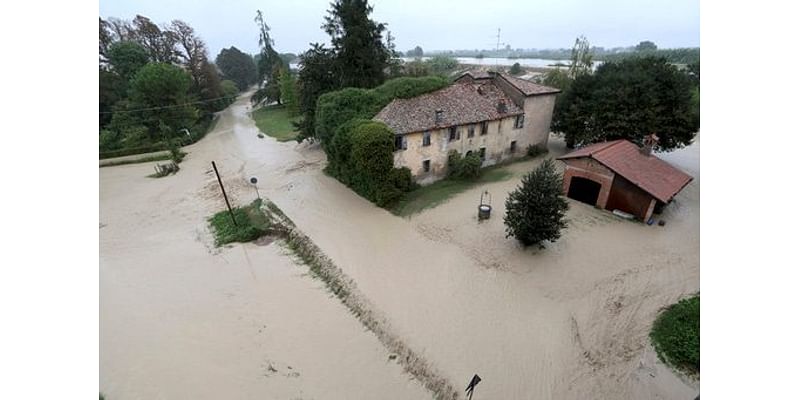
156,84
645,48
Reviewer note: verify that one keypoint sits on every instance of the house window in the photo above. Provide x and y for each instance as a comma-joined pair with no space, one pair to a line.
454,135
471,130
483,153
513,146
484,127
519,122
426,166
426,138
400,142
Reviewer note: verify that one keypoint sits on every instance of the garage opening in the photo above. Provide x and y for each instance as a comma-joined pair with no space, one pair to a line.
584,190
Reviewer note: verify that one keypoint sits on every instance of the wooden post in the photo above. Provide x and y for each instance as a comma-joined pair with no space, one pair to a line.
213,164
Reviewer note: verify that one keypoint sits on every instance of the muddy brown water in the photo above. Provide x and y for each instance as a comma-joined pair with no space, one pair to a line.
180,318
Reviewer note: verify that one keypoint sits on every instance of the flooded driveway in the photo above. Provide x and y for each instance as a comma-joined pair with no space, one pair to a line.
567,322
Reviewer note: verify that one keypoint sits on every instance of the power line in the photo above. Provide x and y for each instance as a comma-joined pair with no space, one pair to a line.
172,106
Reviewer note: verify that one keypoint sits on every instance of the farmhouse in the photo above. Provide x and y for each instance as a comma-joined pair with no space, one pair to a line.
491,114
618,175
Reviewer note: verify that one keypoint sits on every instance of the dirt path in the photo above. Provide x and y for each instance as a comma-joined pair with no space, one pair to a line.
570,322
180,319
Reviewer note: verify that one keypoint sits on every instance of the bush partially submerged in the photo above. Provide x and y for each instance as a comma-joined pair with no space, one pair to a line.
676,335
251,224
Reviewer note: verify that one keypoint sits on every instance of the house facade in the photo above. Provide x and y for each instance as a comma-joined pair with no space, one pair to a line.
493,115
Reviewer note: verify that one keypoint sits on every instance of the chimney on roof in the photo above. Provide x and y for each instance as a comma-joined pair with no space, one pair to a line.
439,114
650,141
501,106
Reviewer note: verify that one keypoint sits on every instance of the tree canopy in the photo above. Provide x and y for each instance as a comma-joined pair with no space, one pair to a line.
126,58
237,66
361,55
536,210
159,93
629,99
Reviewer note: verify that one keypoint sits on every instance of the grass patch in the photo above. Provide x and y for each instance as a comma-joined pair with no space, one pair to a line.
676,336
275,121
438,192
251,224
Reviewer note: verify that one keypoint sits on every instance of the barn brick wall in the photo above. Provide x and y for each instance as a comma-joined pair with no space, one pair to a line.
589,169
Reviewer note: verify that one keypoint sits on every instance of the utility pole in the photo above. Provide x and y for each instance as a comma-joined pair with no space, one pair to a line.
213,164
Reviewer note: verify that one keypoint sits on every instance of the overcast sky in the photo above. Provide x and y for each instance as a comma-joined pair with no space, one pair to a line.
434,24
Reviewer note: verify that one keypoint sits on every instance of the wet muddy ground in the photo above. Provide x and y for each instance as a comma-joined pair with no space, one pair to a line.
180,318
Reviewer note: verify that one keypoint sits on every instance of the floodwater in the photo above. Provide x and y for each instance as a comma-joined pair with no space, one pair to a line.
180,319
567,322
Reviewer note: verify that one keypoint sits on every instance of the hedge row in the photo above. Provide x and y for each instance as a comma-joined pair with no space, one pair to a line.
360,151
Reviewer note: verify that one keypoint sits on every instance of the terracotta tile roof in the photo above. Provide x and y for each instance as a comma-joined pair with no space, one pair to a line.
461,103
527,87
650,173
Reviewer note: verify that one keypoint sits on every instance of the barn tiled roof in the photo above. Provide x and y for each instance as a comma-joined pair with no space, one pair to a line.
461,103
650,173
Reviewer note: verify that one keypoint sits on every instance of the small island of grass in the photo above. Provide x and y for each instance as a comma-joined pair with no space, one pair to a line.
676,336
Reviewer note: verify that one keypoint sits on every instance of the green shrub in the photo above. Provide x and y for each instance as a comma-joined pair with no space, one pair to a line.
336,108
408,87
468,167
536,150
401,178
251,224
676,335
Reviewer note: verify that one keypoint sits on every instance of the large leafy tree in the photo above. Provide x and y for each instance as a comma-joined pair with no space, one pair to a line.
126,58
159,97
268,58
237,66
192,55
361,55
628,99
160,44
106,37
315,78
535,211
288,91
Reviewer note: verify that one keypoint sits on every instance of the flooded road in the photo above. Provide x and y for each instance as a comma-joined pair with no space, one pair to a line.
180,319
567,322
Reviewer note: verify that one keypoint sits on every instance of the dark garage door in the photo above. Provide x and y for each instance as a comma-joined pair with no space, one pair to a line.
584,190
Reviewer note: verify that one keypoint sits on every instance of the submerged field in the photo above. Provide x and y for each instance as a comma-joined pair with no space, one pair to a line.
181,318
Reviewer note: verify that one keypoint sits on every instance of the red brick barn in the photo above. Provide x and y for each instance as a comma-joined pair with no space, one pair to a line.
618,175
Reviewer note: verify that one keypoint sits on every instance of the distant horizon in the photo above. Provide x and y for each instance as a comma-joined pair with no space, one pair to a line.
432,25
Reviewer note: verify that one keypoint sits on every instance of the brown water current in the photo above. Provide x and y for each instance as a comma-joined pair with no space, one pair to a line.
182,319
